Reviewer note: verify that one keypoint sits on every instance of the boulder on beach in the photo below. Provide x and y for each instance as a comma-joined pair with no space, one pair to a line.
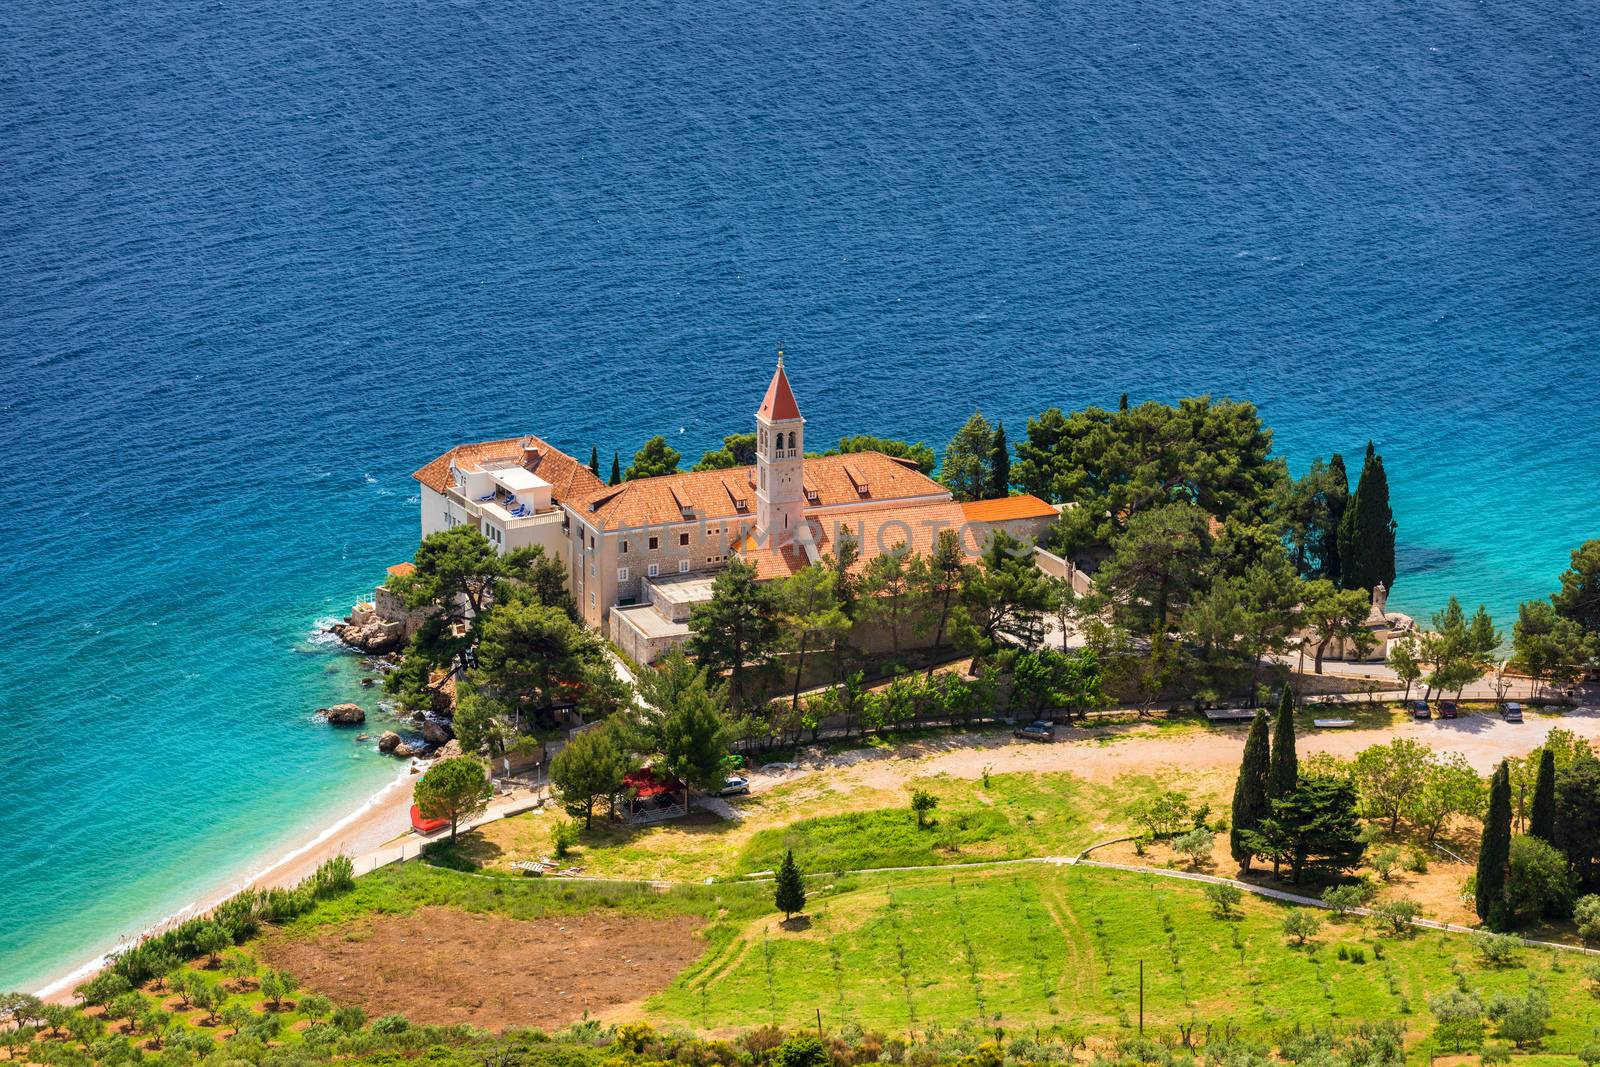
404,750
344,714
389,742
450,748
434,732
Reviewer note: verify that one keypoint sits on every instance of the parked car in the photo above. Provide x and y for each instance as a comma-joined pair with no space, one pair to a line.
735,785
1512,712
1418,709
1449,709
1037,730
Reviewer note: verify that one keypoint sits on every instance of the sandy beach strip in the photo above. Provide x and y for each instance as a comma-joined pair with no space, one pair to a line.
362,834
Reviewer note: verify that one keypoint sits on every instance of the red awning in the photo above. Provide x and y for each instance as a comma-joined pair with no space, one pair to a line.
645,782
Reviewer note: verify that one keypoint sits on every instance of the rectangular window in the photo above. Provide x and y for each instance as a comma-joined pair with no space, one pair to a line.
655,543
653,570
622,574
624,548
683,566
683,539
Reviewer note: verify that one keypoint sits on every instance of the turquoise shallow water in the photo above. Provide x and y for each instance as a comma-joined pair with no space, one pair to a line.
257,262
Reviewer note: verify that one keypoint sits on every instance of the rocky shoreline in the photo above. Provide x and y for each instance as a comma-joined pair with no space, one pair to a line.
371,636
368,635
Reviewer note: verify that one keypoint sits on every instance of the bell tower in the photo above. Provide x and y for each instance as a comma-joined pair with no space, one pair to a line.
780,468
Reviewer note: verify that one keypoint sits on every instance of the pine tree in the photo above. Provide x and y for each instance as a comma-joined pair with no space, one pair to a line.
964,467
1000,464
1495,852
1366,533
737,630
1542,815
1338,498
654,459
616,470
1250,801
594,460
789,892
1285,773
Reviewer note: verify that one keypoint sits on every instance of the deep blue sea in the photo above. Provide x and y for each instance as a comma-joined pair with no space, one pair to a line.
260,260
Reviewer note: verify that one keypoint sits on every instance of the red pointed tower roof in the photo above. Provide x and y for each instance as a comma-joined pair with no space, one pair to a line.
778,405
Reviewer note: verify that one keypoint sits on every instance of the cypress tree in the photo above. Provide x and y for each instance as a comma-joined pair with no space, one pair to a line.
1495,852
1542,816
1338,496
1000,463
1285,773
1366,533
1122,405
789,892
616,470
1250,802
594,460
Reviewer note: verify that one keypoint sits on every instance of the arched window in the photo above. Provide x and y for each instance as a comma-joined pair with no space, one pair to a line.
791,439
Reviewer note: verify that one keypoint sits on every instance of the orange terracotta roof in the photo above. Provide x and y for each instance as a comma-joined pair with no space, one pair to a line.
875,530
1008,507
771,563
568,478
402,570
860,477
779,403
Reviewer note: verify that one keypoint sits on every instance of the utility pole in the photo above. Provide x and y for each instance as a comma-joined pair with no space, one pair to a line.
1141,998
819,1022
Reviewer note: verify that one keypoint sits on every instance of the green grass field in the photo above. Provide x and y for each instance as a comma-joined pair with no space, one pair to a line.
405,887
1034,944
1009,816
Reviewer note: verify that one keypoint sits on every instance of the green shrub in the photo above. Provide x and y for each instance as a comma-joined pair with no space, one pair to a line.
335,876
1522,1018
1395,916
349,1019
563,836
1301,924
801,1050
1496,950
1343,899
1223,897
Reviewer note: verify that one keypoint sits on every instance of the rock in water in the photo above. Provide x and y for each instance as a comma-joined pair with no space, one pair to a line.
371,637
404,751
434,733
389,741
344,714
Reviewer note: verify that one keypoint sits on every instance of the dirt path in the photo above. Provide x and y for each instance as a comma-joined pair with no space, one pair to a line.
1093,755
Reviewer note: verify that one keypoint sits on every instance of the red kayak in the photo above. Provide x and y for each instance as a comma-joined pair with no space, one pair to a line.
426,826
